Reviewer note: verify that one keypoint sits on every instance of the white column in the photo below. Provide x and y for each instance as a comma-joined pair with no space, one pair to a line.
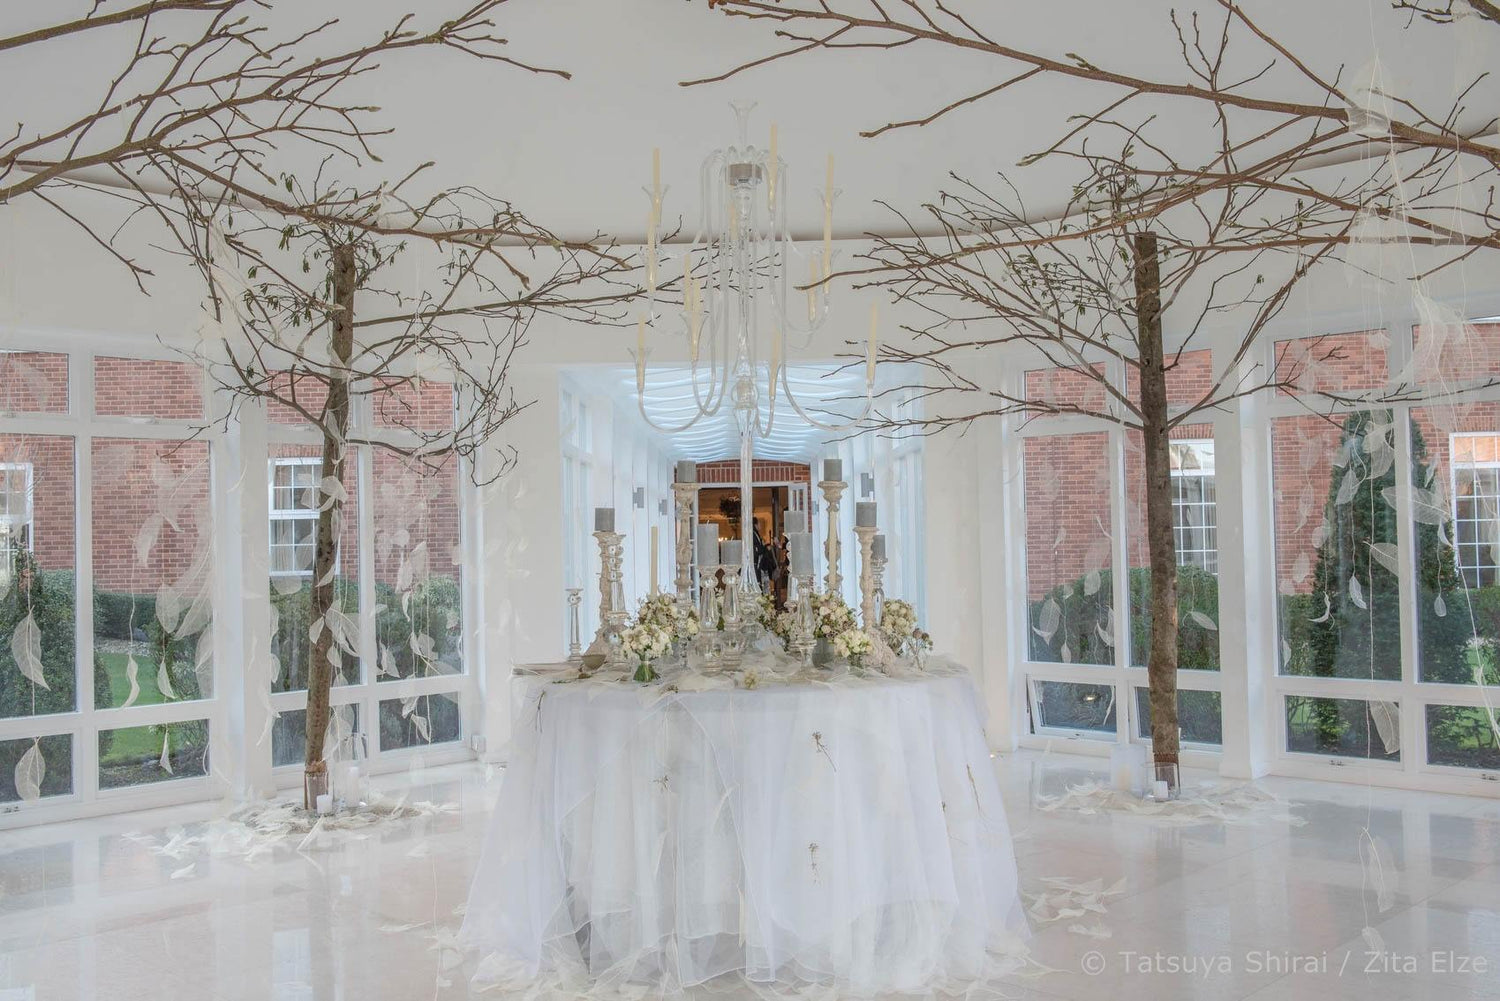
1247,567
242,615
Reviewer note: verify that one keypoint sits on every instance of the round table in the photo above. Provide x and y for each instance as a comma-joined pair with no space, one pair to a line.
847,832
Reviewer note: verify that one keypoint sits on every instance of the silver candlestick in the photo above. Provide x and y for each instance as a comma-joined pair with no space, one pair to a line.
733,637
877,567
866,535
575,637
833,579
612,613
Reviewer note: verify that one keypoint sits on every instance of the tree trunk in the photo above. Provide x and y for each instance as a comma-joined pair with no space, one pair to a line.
330,520
1161,667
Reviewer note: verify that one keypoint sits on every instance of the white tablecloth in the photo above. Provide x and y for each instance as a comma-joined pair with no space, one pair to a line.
847,833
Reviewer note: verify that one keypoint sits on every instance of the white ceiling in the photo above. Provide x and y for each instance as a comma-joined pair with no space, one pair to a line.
669,401
574,154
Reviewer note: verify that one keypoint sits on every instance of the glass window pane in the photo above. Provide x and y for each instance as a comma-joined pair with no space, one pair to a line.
1467,354
421,405
1068,556
1332,363
293,550
1466,736
1069,706
1348,728
141,755
141,387
1192,462
289,736
1335,546
419,721
292,396
153,572
38,587
1200,715
1454,449
53,761
33,382
417,567
1067,388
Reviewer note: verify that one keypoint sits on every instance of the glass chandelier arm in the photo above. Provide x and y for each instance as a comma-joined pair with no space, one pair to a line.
782,295
791,398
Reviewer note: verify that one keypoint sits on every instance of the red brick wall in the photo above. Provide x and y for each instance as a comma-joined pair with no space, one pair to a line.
412,505
33,382
138,387
134,480
420,406
762,471
1067,508
53,494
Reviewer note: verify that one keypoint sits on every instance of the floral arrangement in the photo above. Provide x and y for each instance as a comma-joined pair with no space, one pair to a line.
776,621
831,617
852,645
643,643
898,623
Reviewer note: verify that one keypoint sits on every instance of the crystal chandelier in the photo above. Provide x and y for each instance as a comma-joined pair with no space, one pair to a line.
739,278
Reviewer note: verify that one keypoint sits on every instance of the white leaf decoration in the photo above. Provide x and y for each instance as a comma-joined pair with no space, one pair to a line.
1202,620
26,648
1327,611
145,539
420,722
1356,592
1384,553
133,675
30,771
1067,654
164,681
166,752
1301,566
1348,487
1048,621
185,871
388,663
1439,606
1091,582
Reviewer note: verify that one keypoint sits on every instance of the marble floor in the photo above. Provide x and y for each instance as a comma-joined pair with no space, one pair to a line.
1257,909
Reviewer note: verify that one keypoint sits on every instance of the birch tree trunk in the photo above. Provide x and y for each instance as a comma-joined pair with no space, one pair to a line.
1161,666
330,517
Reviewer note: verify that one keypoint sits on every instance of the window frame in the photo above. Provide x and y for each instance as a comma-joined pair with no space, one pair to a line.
1491,466
1210,555
293,514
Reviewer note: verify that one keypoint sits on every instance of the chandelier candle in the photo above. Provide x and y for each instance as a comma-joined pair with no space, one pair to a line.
740,275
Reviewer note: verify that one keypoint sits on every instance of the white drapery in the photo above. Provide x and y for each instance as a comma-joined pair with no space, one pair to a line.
848,834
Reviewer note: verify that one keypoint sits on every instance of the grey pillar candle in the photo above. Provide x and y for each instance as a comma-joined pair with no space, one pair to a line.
708,544
799,548
604,519
687,471
833,469
731,552
877,547
864,514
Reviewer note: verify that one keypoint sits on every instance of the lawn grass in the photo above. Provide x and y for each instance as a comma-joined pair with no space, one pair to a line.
136,742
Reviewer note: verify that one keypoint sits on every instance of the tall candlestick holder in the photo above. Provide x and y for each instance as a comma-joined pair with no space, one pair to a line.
732,639
612,612
833,579
803,640
877,571
867,615
684,494
575,630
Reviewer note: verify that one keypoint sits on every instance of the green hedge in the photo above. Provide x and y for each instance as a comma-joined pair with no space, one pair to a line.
1086,618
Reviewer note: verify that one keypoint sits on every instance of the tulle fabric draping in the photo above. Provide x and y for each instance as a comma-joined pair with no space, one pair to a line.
843,836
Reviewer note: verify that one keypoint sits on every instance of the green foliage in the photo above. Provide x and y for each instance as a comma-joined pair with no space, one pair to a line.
291,644
1086,620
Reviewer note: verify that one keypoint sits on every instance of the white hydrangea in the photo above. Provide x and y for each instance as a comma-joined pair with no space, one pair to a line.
831,616
852,644
898,622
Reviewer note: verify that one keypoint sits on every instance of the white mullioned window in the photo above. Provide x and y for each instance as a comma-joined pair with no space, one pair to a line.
15,516
294,514
1476,507
1194,518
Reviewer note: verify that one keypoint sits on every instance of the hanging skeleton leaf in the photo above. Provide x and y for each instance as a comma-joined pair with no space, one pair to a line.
30,771
1202,620
132,675
26,648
